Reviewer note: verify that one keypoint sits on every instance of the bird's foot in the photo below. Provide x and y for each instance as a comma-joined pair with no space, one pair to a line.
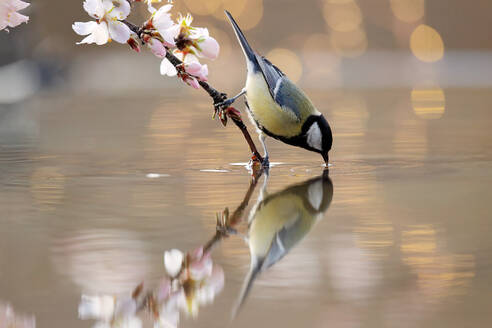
266,162
226,103
226,231
223,224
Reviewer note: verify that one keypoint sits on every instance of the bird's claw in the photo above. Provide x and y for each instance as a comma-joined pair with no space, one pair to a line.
265,162
223,225
224,104
226,231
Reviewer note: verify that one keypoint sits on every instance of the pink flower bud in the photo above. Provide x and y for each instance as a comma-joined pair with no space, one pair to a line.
157,48
191,81
209,48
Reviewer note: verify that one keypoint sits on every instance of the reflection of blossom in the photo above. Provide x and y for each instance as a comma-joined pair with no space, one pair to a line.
109,311
8,318
173,261
192,281
198,282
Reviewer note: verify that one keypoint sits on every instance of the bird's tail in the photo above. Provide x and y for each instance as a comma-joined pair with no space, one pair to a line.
248,283
247,50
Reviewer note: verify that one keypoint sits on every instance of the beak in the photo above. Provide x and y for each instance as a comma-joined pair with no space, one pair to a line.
326,158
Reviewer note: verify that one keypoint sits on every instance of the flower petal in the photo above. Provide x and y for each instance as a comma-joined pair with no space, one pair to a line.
168,35
209,48
164,9
149,5
19,5
194,69
84,28
194,84
119,31
199,32
167,68
117,9
15,19
190,58
101,34
98,33
94,8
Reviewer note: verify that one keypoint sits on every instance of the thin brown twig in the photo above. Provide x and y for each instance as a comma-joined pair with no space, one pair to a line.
235,218
216,96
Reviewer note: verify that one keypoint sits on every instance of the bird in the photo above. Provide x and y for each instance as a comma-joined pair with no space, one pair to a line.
278,222
277,107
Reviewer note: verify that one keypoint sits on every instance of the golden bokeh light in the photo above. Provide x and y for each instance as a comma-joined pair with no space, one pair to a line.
319,57
317,43
439,273
408,10
349,44
410,137
287,61
235,7
338,1
426,44
428,103
207,7
350,111
342,16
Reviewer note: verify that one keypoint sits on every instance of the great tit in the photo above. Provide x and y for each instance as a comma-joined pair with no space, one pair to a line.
277,107
280,221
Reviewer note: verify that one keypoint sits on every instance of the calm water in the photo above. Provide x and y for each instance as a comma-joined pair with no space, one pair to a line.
93,191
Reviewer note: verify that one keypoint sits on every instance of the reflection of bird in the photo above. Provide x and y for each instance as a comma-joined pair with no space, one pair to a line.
281,220
277,107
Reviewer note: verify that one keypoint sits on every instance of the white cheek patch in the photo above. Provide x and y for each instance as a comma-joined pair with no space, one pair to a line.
315,194
314,136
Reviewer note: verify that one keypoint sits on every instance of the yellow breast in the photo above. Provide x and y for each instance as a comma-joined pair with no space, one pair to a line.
266,111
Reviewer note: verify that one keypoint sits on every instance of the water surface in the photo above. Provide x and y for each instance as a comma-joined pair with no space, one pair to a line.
94,190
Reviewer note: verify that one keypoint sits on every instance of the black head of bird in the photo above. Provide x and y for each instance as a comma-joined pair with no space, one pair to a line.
277,107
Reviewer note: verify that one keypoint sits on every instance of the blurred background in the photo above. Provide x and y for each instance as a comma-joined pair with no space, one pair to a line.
330,43
104,164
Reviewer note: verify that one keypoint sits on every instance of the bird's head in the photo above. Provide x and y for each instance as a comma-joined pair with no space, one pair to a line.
319,137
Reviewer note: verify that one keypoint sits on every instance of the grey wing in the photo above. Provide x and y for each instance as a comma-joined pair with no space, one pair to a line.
283,242
283,91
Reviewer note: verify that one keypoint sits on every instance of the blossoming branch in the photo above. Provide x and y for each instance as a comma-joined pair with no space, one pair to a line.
180,45
160,33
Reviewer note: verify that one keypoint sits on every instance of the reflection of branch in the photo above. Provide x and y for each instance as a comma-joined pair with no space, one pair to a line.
226,223
216,96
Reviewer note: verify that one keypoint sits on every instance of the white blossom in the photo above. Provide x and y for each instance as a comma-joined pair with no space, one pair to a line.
149,5
164,24
205,45
107,26
9,17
